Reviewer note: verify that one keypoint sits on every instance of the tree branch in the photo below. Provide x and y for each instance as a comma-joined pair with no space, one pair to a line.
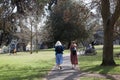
116,14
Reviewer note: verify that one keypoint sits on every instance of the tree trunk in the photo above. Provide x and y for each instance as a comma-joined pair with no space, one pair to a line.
108,45
31,45
109,20
36,40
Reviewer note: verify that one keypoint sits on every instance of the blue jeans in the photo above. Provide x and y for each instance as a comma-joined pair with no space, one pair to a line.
59,59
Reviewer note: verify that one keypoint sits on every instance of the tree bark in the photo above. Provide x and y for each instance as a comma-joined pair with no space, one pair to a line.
108,34
31,45
108,46
109,19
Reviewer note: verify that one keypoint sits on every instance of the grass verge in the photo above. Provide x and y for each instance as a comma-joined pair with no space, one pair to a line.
26,66
91,64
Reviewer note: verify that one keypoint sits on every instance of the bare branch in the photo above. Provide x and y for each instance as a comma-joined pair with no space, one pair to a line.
116,14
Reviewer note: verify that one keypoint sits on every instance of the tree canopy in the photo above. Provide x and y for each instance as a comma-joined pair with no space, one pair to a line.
67,21
12,12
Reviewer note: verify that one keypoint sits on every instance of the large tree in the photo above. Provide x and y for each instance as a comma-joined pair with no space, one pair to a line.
109,16
9,18
67,21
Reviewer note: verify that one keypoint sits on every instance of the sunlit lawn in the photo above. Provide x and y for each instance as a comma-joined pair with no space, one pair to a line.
26,66
92,64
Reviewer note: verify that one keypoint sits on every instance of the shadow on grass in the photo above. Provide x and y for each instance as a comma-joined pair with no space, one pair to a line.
102,70
25,73
29,74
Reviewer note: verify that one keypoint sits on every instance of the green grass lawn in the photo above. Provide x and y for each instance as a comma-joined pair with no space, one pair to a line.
26,66
92,63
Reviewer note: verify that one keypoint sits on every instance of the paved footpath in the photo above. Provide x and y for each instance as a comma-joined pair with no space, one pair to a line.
67,73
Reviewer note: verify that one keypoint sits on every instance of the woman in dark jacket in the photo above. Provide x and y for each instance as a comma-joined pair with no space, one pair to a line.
59,54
